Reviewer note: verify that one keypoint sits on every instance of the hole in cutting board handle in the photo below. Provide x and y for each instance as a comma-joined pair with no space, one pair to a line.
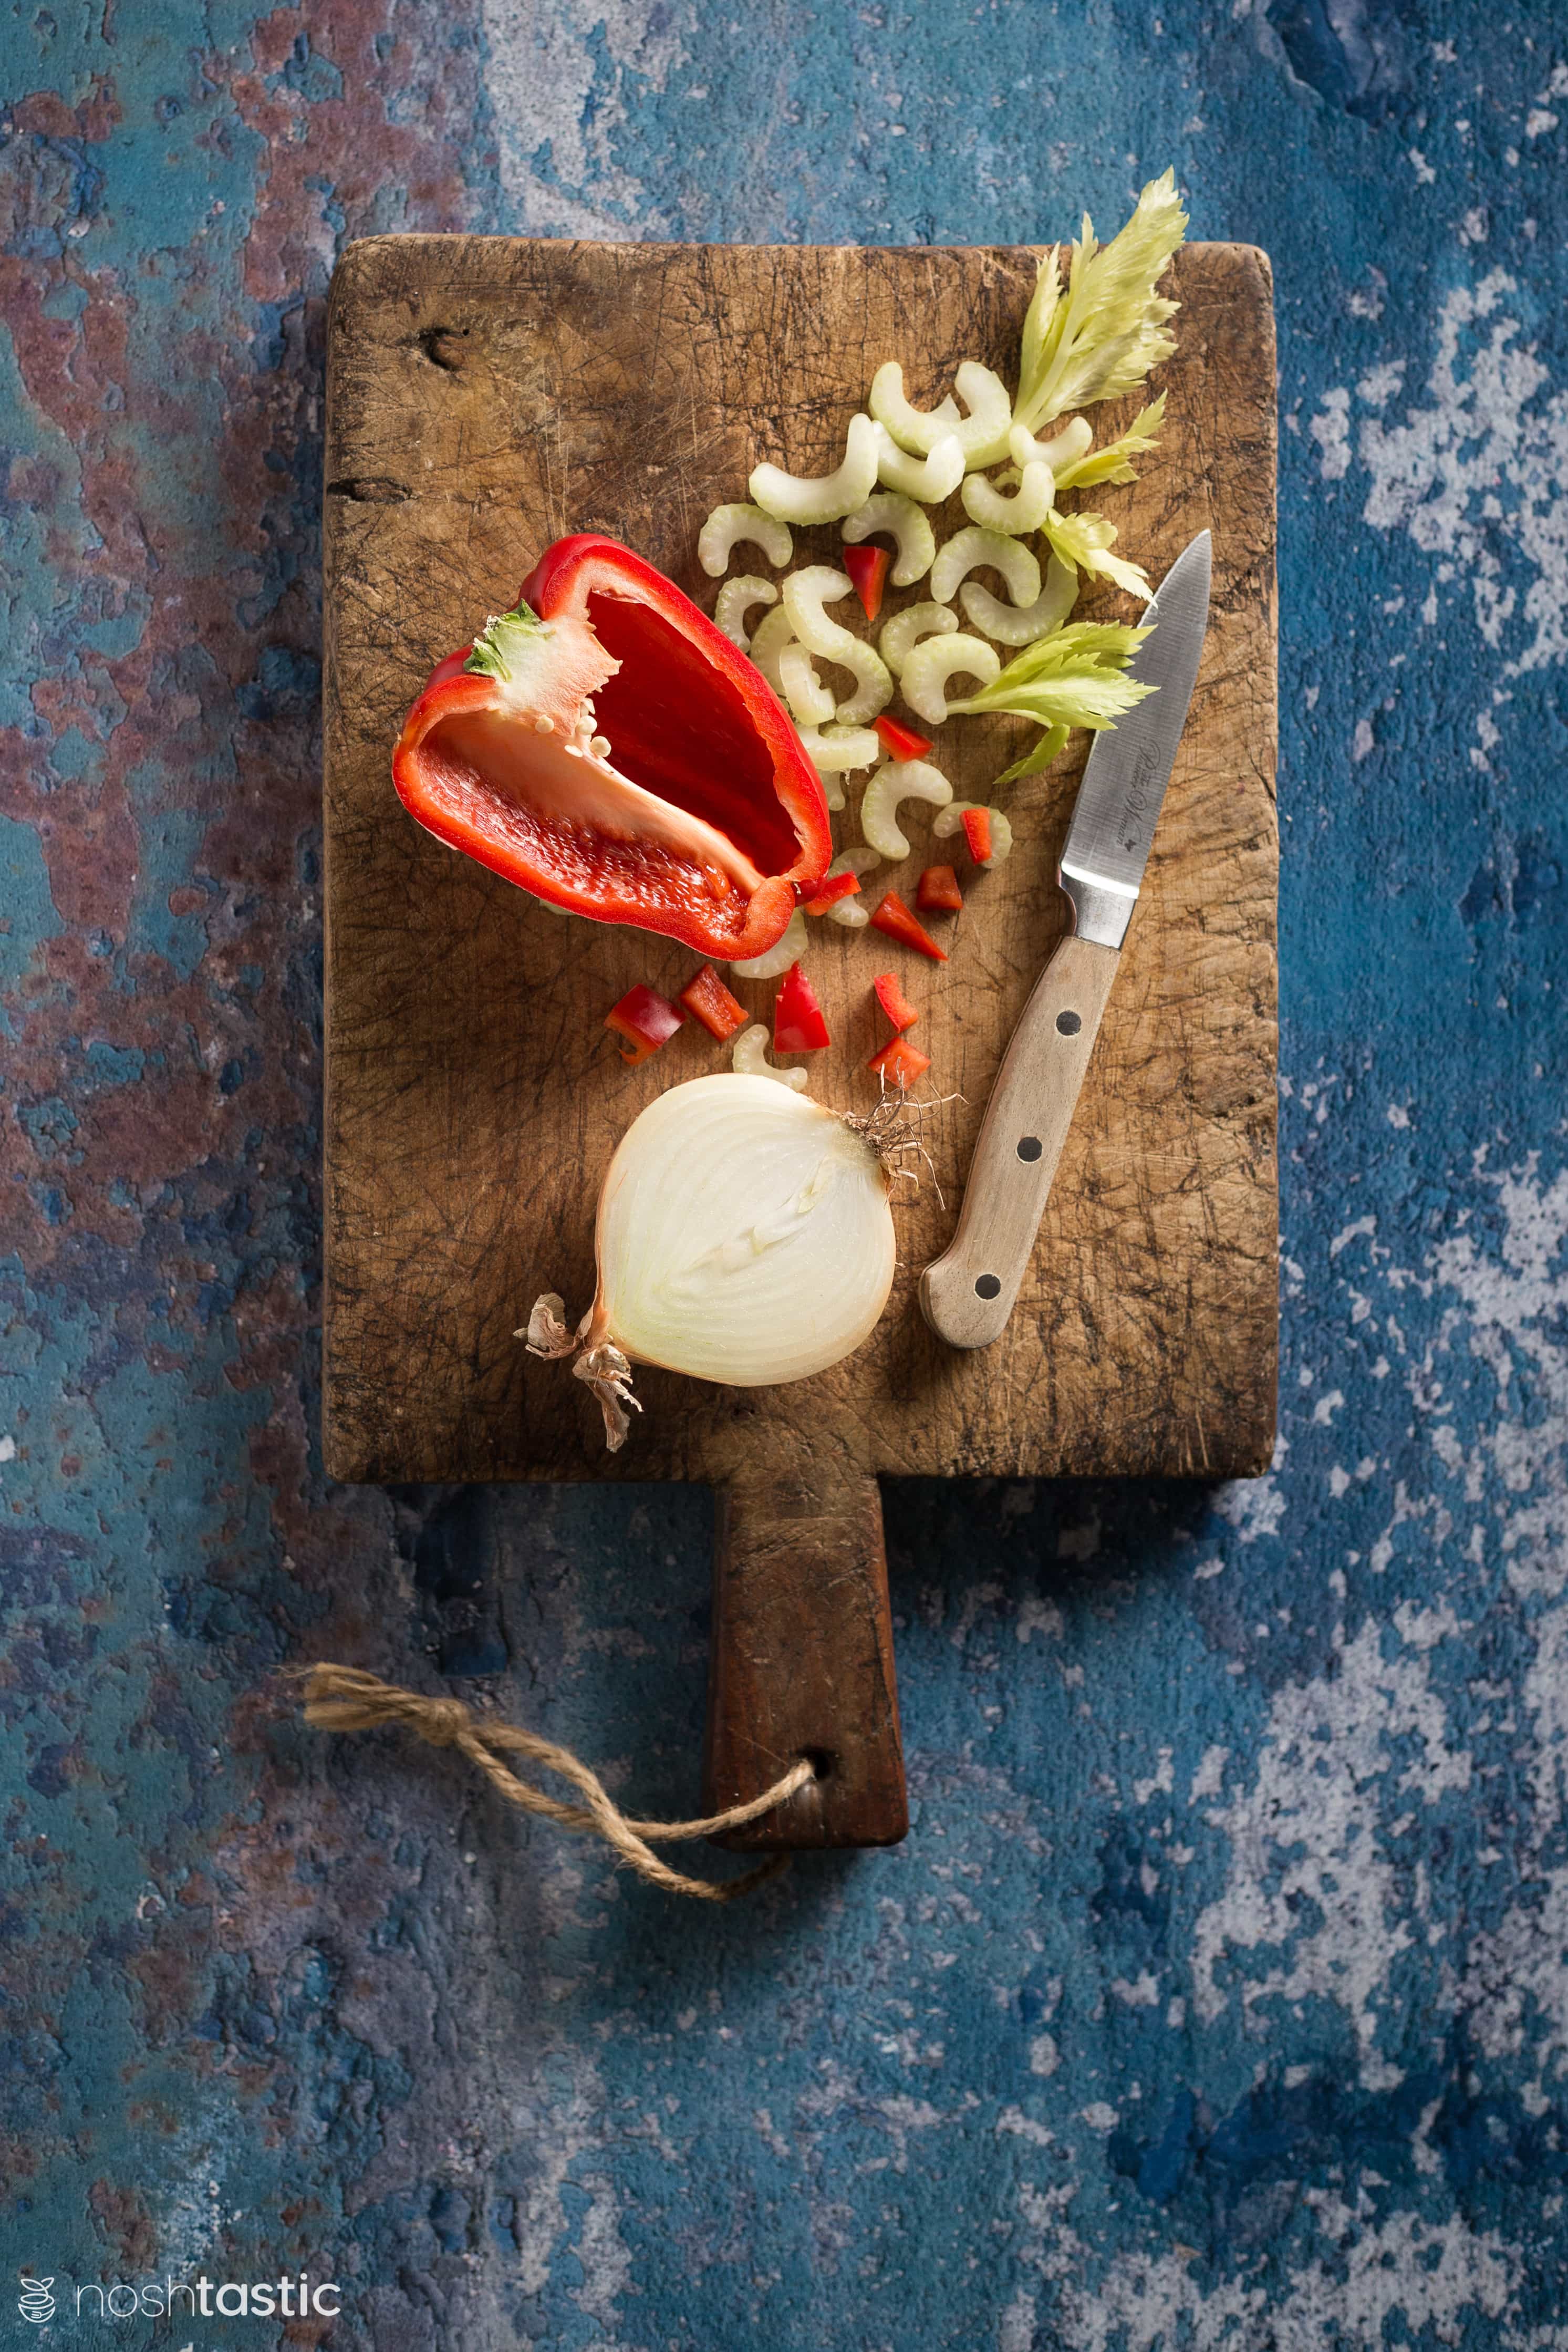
821,1761
988,1286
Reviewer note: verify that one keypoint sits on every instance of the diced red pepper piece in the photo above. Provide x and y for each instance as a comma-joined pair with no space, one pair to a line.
606,746
709,1002
894,918
900,1063
976,824
901,743
939,891
798,1023
867,567
836,887
894,1002
645,1020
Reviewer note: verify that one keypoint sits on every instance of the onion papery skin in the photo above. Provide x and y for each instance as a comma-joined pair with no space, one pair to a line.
744,1236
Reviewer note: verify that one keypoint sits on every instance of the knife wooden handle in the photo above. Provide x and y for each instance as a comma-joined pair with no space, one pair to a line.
967,1293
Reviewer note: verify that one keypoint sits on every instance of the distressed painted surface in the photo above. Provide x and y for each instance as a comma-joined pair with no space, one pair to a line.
1220,1995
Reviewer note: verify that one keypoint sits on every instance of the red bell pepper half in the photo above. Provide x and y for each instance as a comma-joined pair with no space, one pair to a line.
894,918
607,747
938,892
645,1020
798,1023
894,1002
976,824
829,893
867,567
900,1063
901,743
707,999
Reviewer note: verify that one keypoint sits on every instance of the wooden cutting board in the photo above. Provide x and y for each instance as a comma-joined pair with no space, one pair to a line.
487,396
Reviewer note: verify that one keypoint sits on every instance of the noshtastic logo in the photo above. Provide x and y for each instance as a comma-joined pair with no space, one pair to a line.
299,2298
35,2302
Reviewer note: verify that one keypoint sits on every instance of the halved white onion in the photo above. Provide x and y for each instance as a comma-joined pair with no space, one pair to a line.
743,1237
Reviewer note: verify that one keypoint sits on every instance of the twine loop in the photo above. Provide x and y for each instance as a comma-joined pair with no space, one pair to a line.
343,1698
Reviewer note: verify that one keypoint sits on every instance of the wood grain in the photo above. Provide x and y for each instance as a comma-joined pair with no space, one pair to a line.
487,395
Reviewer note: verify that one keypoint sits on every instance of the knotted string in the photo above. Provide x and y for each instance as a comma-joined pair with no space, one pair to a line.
342,1698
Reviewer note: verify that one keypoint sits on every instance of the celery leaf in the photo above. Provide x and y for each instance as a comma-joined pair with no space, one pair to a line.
1083,542
1110,464
1099,337
1044,753
1076,677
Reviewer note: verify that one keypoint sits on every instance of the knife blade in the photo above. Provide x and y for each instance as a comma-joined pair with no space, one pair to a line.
967,1293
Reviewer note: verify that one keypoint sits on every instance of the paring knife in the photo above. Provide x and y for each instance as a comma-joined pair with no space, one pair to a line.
967,1293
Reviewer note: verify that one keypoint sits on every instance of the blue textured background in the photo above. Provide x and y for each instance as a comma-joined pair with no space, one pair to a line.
1220,1994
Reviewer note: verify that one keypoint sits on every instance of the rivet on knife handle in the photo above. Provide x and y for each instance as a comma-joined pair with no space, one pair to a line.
967,1293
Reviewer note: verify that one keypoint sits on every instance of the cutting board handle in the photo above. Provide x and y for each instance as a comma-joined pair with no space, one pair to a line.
802,1661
